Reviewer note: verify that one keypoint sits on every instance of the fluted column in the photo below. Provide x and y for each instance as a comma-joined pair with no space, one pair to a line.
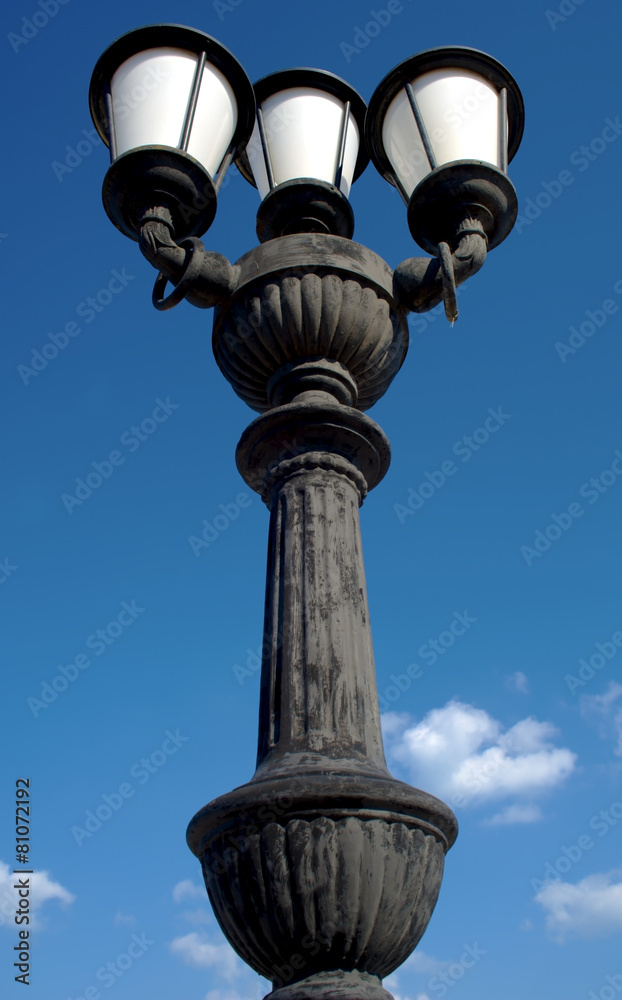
318,690
318,686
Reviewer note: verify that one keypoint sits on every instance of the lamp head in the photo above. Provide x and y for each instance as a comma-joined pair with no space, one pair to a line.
442,127
174,106
306,150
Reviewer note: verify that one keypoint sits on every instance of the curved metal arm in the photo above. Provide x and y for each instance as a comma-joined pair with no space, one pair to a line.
420,283
207,279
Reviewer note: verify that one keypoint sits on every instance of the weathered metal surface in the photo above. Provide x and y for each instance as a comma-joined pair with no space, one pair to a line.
323,870
418,281
343,893
302,298
304,206
457,190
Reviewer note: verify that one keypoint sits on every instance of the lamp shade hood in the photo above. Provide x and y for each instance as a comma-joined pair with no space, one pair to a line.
458,93
174,106
303,122
444,107
309,135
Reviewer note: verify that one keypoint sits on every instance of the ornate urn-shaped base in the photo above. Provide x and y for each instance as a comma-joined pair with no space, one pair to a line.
311,312
318,879
323,870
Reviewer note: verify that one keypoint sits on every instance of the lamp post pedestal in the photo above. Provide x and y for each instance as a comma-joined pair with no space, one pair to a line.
323,870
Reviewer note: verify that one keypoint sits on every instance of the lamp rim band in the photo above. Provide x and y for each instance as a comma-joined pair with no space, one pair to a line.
312,79
444,57
172,36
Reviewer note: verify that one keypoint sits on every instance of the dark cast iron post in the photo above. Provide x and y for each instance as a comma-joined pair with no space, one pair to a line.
323,870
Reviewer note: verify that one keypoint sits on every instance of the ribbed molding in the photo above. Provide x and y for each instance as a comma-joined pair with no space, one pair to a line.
292,315
352,894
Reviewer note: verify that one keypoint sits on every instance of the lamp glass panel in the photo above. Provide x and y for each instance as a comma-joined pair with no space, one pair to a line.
303,128
215,120
460,111
150,93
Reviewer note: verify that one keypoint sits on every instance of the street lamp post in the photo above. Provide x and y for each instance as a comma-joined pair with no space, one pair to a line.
323,870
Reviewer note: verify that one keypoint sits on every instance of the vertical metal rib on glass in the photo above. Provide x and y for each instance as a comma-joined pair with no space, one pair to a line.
345,121
503,130
427,145
192,103
112,137
264,146
224,166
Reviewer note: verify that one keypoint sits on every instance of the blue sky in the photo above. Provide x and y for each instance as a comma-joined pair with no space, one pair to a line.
516,722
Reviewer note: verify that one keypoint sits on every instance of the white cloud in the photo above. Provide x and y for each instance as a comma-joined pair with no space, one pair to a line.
602,702
518,682
608,717
591,908
214,952
461,753
199,949
424,964
392,984
515,814
188,890
42,889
